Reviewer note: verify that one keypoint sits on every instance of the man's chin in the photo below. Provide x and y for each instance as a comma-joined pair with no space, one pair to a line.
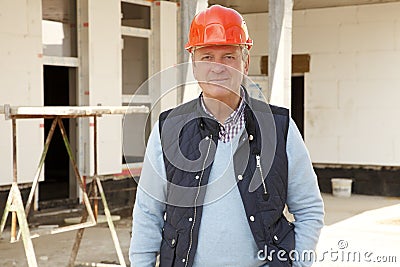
222,88
218,92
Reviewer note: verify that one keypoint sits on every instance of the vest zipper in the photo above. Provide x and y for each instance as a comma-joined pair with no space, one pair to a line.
258,158
195,202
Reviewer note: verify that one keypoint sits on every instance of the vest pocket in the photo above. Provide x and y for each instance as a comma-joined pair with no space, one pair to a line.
283,238
168,246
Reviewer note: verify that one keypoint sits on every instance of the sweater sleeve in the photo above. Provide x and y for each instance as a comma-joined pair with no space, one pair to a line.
149,208
304,198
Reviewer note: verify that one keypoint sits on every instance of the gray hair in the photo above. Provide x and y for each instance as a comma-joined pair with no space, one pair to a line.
245,53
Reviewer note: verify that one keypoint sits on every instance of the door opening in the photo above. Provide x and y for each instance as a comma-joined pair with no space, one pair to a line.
56,168
297,107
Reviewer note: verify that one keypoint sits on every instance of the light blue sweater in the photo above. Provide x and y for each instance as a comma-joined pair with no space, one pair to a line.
225,238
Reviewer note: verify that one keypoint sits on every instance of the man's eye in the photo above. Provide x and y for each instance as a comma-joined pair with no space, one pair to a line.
206,58
229,57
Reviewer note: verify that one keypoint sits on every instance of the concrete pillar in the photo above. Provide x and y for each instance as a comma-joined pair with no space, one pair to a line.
105,80
163,57
187,12
82,97
191,89
280,51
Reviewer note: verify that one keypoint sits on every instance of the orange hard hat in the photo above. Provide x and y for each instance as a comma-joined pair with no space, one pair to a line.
218,25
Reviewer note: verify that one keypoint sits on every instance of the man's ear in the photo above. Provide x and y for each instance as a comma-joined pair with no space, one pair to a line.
193,65
247,65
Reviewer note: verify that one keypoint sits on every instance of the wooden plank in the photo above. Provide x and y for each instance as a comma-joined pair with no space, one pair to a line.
72,110
300,64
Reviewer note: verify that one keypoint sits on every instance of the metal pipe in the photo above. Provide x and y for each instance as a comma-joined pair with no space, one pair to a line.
13,213
13,226
95,199
14,134
95,144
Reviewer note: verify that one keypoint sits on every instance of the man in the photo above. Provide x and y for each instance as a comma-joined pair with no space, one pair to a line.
219,170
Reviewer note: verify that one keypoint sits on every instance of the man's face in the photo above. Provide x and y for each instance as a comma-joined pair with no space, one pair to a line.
219,70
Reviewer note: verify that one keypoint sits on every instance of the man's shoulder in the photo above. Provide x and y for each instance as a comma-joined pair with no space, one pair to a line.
279,110
259,105
182,109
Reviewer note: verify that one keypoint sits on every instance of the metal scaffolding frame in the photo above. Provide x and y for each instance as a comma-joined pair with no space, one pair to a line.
14,204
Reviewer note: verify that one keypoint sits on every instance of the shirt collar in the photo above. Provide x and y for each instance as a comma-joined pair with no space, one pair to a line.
234,117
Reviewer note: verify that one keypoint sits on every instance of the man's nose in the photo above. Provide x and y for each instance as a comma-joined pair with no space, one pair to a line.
218,66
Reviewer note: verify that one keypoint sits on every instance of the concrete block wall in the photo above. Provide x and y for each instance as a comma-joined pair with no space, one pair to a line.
21,84
353,85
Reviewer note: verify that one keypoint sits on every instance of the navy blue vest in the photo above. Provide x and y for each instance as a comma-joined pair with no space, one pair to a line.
189,139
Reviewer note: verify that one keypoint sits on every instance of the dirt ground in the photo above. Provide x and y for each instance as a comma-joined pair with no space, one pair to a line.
366,223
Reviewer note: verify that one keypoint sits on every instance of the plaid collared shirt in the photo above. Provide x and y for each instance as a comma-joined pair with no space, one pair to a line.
233,124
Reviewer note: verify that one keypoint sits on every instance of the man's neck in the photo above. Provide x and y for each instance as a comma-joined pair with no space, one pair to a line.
222,109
